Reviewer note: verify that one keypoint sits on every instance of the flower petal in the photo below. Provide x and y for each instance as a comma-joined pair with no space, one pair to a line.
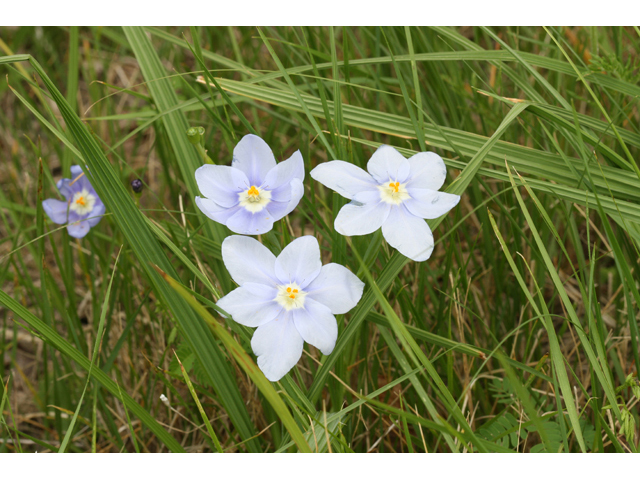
96,214
252,305
79,230
56,210
82,183
365,214
77,182
279,209
425,203
254,157
221,183
214,211
248,261
278,346
388,164
249,223
76,171
427,171
343,177
335,287
299,261
408,234
66,191
316,325
284,172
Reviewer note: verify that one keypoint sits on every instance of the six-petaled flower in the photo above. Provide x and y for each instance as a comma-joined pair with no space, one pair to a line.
396,194
291,299
82,208
254,191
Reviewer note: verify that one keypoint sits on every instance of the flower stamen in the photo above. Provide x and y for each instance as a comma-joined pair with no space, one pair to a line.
253,191
393,192
82,202
290,297
254,198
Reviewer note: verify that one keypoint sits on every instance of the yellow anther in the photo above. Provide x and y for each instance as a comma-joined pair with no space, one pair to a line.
253,191
395,186
80,201
290,296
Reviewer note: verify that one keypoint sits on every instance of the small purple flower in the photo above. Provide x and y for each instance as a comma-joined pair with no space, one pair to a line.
82,204
291,299
396,195
254,191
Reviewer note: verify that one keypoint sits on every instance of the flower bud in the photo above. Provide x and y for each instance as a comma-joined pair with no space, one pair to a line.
195,134
136,184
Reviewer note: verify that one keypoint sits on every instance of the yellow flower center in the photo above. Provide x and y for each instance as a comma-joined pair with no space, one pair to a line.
254,198
393,192
254,194
290,296
82,202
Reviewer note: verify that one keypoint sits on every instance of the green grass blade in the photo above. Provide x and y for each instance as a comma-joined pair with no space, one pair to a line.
96,349
299,97
205,419
526,160
553,273
556,354
53,338
247,364
417,355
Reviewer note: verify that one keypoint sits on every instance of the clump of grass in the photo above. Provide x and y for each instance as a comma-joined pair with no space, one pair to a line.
520,333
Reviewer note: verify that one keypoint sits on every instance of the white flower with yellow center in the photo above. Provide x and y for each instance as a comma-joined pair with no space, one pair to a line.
396,194
292,299
254,191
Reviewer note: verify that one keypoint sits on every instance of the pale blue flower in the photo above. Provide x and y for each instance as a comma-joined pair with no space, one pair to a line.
82,208
396,194
292,299
254,191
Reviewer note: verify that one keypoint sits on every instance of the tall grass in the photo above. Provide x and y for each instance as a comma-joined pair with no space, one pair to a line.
520,333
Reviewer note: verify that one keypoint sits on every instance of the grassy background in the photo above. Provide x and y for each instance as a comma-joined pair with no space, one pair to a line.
520,333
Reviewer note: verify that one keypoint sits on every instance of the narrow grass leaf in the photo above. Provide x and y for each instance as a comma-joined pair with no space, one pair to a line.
246,363
96,349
